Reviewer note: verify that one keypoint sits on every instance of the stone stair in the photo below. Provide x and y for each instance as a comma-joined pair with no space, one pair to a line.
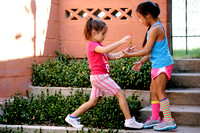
183,91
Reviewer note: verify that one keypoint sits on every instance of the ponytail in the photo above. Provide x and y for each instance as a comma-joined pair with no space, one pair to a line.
145,39
93,24
88,29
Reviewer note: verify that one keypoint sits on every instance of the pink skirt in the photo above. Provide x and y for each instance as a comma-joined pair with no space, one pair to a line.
157,71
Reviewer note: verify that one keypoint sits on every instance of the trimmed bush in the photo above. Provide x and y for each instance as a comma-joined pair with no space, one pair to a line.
9,130
52,110
64,72
121,72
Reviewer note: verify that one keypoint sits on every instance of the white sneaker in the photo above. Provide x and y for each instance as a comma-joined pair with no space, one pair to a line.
73,121
132,123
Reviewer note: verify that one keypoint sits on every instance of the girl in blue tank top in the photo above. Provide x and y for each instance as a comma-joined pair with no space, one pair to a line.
155,48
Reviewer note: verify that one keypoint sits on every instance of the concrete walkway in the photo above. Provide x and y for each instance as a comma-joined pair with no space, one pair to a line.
59,129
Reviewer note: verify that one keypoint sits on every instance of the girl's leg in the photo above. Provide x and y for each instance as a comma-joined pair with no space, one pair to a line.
168,123
155,105
154,96
160,83
129,122
72,119
107,85
123,104
86,106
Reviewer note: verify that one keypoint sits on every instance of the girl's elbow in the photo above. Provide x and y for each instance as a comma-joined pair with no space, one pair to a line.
104,51
147,52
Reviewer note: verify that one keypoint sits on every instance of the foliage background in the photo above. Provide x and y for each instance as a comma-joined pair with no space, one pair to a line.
64,72
52,110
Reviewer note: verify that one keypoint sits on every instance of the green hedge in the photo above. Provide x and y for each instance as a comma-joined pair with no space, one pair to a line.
64,72
52,110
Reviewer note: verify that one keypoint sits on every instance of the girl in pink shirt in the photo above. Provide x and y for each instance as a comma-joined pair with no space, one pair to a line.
98,58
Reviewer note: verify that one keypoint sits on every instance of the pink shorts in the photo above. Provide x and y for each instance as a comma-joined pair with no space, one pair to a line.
167,70
103,84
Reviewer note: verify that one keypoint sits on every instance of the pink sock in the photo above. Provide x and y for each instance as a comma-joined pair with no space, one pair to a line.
155,105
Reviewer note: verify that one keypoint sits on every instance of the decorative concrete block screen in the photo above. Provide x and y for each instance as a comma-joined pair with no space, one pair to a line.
100,13
73,42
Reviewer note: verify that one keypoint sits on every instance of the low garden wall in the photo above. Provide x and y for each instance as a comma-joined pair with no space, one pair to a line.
144,95
50,105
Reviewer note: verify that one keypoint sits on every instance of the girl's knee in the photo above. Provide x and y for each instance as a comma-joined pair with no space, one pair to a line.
160,93
160,90
120,93
152,90
93,101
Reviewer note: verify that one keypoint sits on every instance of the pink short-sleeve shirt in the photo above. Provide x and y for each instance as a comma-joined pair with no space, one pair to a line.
98,63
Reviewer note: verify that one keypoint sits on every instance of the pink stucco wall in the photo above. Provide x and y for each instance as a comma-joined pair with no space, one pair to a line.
29,31
34,29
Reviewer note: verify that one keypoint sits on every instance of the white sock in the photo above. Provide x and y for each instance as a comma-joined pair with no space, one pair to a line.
129,120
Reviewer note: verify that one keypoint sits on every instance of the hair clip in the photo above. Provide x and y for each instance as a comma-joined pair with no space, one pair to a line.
155,4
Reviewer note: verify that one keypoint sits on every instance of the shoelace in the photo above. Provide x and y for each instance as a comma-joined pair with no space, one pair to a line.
163,120
149,118
133,118
77,120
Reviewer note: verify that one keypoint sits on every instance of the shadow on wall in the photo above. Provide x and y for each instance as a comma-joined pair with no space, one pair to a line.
29,31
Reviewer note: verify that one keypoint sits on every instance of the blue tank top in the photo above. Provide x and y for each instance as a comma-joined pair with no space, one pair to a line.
160,54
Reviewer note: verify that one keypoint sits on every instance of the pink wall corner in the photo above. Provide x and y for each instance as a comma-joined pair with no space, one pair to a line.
71,32
27,37
50,46
6,86
14,68
54,11
21,84
76,49
2,69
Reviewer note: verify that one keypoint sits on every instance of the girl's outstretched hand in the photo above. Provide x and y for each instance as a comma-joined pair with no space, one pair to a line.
124,54
130,49
125,39
137,66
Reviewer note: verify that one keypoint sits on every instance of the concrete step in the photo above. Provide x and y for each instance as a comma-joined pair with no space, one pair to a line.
61,129
189,96
185,80
183,115
186,65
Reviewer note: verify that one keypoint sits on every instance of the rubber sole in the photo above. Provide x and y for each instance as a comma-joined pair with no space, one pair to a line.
166,128
128,128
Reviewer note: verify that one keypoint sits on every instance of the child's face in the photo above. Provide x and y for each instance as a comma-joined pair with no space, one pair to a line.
99,36
142,19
